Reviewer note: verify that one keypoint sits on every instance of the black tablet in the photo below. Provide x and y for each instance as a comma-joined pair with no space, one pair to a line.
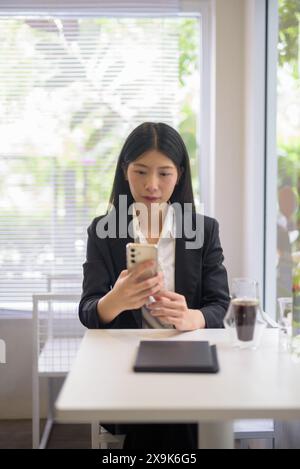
176,356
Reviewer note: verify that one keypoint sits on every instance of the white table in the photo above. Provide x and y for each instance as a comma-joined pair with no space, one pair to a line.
262,383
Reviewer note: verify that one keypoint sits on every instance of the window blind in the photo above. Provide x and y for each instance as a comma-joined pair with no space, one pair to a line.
89,7
71,91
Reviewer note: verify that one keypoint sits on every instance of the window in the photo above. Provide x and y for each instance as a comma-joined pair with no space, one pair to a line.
72,88
283,160
288,145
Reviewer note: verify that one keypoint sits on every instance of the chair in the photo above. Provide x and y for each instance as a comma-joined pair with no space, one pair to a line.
64,283
100,437
57,334
103,439
263,429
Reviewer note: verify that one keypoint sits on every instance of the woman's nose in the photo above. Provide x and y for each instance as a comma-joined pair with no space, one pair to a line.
152,183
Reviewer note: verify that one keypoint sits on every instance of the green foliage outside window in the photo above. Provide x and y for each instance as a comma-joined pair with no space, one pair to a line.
288,123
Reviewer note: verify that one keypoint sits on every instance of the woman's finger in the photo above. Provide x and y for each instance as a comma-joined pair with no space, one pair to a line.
150,282
173,305
141,268
165,319
165,312
123,273
149,291
171,295
169,320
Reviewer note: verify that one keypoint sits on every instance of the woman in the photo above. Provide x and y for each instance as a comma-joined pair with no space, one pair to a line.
189,292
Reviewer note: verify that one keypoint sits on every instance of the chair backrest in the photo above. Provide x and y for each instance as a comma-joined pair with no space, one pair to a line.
57,332
64,283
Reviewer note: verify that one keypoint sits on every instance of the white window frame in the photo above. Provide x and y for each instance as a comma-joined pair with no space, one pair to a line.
271,160
260,147
254,175
206,168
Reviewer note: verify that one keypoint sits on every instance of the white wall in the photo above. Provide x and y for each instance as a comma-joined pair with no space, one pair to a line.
16,374
229,111
239,133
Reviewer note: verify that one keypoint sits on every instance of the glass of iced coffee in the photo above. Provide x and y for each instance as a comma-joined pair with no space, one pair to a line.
243,318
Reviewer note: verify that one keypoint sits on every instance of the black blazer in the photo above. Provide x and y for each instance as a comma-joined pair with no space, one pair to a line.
199,275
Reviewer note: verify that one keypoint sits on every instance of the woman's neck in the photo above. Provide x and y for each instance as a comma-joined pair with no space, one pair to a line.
154,231
153,228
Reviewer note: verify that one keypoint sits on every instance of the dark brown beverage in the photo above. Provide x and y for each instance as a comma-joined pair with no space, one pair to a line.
244,312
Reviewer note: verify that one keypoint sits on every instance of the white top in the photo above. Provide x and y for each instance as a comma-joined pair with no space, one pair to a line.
166,258
102,385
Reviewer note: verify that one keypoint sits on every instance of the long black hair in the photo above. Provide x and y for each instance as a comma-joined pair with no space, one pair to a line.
163,138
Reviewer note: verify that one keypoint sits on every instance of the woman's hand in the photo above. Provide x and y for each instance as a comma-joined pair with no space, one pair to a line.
131,292
171,308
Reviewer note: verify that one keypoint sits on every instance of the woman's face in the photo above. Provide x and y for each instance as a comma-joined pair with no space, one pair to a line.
152,178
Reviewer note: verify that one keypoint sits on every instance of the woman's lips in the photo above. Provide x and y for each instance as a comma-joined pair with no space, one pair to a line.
151,199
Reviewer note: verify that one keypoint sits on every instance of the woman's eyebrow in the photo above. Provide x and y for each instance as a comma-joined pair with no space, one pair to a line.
160,167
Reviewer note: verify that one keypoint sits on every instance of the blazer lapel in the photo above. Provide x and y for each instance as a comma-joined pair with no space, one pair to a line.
187,269
118,253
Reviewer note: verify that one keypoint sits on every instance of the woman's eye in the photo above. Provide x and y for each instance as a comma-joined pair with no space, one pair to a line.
161,174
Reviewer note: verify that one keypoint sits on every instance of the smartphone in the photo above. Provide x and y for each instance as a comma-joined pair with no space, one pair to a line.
136,253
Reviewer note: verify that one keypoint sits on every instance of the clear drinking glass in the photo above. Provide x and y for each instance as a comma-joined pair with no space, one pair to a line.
285,322
244,319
